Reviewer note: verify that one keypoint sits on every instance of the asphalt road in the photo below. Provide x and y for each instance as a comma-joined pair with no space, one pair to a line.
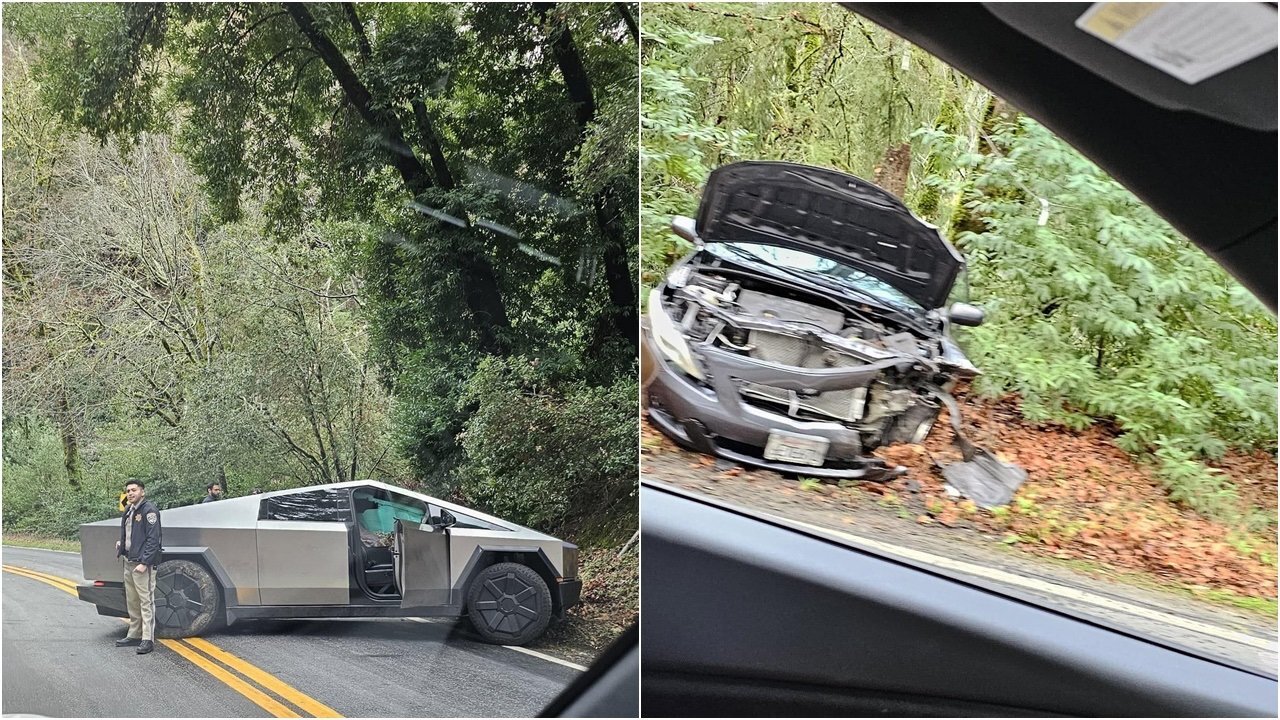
60,661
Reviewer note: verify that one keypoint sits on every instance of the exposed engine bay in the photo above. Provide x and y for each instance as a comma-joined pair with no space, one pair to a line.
792,327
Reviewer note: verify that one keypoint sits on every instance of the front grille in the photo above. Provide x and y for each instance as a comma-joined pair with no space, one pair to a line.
854,462
845,405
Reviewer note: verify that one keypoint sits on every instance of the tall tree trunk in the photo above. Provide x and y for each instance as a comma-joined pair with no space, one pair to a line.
380,120
70,439
891,174
431,141
479,280
629,19
617,271
609,218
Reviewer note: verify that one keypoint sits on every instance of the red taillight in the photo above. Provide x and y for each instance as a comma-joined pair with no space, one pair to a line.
99,583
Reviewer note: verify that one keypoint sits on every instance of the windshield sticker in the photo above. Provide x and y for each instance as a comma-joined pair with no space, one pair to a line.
1190,41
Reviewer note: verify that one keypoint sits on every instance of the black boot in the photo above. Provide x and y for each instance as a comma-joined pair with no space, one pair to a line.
127,641
145,647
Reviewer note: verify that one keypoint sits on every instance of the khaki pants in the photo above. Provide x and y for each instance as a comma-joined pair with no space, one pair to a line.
140,594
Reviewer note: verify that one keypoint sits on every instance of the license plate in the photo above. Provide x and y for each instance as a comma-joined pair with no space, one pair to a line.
796,449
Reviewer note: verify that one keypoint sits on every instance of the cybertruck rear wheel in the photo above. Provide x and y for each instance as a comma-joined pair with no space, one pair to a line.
187,599
509,604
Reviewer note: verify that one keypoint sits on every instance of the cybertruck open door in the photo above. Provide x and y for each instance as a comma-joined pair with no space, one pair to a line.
421,557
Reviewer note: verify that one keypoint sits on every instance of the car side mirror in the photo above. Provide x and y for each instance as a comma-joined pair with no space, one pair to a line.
966,314
687,228
439,522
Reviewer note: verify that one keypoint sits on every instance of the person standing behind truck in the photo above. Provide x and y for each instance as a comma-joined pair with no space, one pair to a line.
139,551
215,493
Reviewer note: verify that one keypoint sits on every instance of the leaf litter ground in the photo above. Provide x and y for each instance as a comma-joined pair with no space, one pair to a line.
1085,502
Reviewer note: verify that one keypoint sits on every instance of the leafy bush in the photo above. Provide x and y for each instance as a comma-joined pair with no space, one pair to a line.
800,82
38,498
679,148
555,454
1102,310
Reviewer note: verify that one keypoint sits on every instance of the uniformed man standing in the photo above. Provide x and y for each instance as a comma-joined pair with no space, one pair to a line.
139,551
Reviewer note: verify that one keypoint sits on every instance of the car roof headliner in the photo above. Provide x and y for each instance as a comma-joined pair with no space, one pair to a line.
1212,177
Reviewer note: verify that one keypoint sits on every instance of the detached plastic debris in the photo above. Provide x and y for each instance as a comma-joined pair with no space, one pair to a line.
986,481
981,477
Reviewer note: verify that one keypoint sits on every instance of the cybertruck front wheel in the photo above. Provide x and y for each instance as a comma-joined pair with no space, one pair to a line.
187,599
509,604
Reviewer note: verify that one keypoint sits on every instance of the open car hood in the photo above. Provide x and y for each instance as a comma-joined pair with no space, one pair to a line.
832,214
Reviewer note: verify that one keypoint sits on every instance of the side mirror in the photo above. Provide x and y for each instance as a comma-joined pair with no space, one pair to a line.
439,522
965,314
687,228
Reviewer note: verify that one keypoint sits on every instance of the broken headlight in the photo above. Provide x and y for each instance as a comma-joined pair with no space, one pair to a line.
669,339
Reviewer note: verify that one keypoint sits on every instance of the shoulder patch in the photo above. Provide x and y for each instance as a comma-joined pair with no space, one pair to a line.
151,518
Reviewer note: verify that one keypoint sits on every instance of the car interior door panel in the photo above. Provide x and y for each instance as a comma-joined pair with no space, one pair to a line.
744,615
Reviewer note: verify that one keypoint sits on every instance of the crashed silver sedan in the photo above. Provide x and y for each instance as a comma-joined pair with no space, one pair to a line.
356,549
808,328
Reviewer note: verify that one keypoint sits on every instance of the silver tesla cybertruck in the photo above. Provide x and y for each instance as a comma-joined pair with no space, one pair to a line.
355,549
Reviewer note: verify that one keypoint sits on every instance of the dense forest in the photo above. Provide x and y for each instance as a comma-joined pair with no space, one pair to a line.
273,245
1099,313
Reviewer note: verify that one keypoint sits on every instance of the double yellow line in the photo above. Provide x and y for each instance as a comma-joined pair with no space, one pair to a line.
220,664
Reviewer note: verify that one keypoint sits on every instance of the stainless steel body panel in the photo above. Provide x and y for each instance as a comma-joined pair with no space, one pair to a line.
234,549
464,542
227,528
422,568
303,563
98,550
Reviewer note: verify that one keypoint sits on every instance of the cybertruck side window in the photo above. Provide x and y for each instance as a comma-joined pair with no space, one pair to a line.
313,505
467,522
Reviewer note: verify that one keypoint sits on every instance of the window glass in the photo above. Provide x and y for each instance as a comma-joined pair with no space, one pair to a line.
822,267
378,510
1101,436
468,522
313,505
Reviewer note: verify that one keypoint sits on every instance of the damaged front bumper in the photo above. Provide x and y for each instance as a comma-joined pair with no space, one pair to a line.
716,420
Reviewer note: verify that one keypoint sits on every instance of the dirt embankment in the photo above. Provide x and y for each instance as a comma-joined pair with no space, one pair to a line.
610,604
1084,500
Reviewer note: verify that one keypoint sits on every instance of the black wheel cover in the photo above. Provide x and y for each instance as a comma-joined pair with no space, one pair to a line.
508,604
178,600
187,599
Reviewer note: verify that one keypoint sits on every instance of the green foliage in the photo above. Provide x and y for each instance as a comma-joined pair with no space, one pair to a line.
36,497
111,54
798,82
555,455
1104,311
332,304
679,146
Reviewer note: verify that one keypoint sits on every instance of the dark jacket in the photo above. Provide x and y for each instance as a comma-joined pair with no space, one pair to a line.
208,498
145,548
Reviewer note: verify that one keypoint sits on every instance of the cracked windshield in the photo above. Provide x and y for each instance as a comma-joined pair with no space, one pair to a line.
320,340
887,305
